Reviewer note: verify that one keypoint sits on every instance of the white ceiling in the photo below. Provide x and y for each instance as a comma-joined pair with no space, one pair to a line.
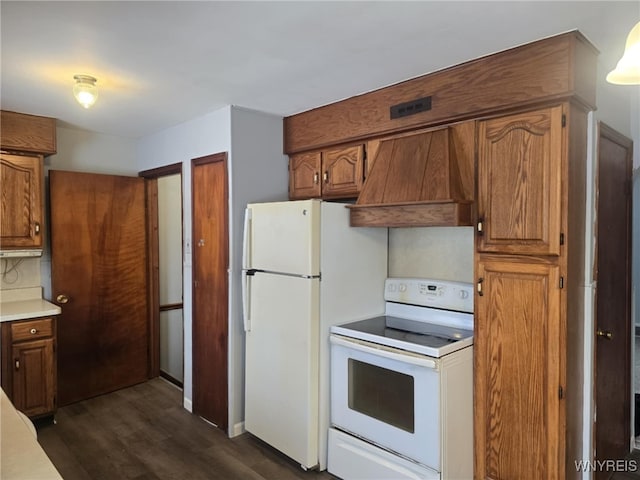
160,63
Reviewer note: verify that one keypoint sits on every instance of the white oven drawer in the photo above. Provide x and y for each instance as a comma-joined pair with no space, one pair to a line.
352,459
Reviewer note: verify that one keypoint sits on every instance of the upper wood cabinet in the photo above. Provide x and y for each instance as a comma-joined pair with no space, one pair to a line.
519,183
27,133
332,173
21,183
304,175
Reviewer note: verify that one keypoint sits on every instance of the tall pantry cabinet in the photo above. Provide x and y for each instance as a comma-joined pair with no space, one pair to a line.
530,191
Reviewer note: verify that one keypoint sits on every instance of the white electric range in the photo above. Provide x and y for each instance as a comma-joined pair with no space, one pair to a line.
402,386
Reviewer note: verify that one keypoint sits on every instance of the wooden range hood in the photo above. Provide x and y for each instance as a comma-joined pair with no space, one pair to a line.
420,180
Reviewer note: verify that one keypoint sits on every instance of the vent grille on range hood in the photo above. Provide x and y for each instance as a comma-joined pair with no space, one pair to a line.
419,180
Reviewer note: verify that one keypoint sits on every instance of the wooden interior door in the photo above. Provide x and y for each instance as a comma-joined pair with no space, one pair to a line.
518,415
613,297
210,288
99,278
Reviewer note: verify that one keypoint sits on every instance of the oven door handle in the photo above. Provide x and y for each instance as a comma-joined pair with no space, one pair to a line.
385,352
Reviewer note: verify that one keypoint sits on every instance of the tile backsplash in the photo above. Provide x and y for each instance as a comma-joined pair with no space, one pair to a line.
443,253
19,272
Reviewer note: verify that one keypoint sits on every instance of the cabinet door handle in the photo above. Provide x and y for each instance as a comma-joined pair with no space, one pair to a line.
481,226
316,178
326,177
37,228
479,287
17,364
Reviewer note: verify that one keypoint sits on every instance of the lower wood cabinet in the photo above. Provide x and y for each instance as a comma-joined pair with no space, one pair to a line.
29,365
519,360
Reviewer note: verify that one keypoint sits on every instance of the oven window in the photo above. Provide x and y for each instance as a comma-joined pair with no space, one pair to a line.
383,394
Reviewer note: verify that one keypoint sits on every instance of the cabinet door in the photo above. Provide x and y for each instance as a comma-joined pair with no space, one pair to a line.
518,416
21,206
342,172
34,377
519,182
304,176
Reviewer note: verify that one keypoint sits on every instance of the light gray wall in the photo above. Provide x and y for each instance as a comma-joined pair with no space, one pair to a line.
180,144
259,173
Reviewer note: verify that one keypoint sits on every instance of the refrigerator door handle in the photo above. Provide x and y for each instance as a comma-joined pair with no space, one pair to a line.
246,299
246,238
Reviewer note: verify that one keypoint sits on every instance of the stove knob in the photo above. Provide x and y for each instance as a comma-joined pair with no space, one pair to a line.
463,294
403,287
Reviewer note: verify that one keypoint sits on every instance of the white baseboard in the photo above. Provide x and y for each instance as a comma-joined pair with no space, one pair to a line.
188,404
238,429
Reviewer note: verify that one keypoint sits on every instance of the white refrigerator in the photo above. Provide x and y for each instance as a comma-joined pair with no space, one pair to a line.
304,269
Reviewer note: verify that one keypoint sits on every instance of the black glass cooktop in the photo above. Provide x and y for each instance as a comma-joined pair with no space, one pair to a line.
410,331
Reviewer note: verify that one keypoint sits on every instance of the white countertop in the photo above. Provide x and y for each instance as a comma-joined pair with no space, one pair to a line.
25,303
21,456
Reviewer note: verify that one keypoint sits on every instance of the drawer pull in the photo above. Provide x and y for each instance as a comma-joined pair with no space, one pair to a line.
33,331
17,364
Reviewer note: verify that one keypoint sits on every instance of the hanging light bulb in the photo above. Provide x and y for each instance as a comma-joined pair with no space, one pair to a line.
85,90
627,72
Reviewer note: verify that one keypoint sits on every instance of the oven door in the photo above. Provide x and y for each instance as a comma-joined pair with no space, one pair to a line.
387,396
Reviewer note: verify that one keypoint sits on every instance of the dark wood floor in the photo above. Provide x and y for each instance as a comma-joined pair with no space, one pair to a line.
632,466
143,432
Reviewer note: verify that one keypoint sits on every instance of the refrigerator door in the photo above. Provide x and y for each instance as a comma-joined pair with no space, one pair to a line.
283,237
281,399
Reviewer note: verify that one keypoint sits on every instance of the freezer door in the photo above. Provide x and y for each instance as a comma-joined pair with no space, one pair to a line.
281,399
283,237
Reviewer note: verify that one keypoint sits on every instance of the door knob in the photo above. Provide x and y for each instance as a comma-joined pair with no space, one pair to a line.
62,298
604,333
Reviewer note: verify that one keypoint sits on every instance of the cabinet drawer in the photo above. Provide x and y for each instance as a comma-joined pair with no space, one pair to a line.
31,329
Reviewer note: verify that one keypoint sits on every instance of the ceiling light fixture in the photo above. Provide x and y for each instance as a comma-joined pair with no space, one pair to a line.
85,90
627,72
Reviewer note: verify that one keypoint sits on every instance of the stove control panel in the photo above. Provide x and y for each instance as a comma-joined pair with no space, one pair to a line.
430,293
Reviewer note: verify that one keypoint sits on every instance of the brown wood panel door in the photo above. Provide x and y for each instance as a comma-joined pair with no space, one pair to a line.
99,278
343,171
21,180
304,176
519,181
518,418
210,288
613,297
